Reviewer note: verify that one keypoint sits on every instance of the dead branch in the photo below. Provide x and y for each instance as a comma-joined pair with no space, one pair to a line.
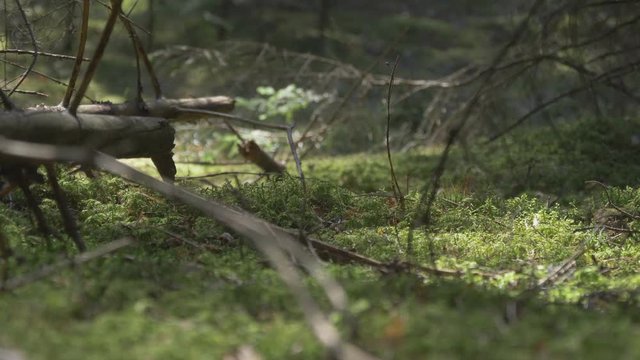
224,173
162,108
394,180
34,43
37,73
141,52
252,152
610,201
40,53
79,54
249,149
97,56
69,221
122,137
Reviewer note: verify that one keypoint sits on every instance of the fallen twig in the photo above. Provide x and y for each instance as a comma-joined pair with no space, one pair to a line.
30,52
562,269
68,219
225,173
611,203
334,253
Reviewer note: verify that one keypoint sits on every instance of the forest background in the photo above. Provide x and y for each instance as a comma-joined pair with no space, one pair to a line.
462,175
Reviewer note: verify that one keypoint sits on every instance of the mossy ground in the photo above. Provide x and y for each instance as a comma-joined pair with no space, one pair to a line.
517,209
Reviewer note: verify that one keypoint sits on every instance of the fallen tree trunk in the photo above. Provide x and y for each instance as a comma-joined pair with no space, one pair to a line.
125,130
119,136
164,108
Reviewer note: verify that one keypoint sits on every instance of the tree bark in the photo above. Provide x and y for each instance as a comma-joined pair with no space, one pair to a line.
126,130
164,108
119,136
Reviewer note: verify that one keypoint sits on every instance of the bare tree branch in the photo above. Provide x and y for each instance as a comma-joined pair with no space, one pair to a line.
75,72
40,53
34,43
97,56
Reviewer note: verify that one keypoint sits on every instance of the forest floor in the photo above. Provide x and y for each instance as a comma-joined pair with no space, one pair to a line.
541,230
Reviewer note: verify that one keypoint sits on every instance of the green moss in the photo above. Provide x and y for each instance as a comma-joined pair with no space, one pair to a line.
165,298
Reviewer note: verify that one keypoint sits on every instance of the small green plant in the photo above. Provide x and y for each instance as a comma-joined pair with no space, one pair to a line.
281,104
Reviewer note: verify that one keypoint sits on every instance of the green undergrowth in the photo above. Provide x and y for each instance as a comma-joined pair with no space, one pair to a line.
544,265
554,162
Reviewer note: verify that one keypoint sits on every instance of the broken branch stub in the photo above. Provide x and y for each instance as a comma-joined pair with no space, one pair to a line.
251,151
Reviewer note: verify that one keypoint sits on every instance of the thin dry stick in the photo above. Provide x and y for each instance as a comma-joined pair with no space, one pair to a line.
226,173
212,163
140,51
254,124
433,187
40,53
41,222
554,275
127,18
33,43
610,201
296,158
258,125
97,56
139,88
134,41
394,180
30,92
46,271
49,77
68,219
79,55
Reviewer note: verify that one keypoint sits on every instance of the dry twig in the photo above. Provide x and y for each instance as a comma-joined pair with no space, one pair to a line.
97,56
